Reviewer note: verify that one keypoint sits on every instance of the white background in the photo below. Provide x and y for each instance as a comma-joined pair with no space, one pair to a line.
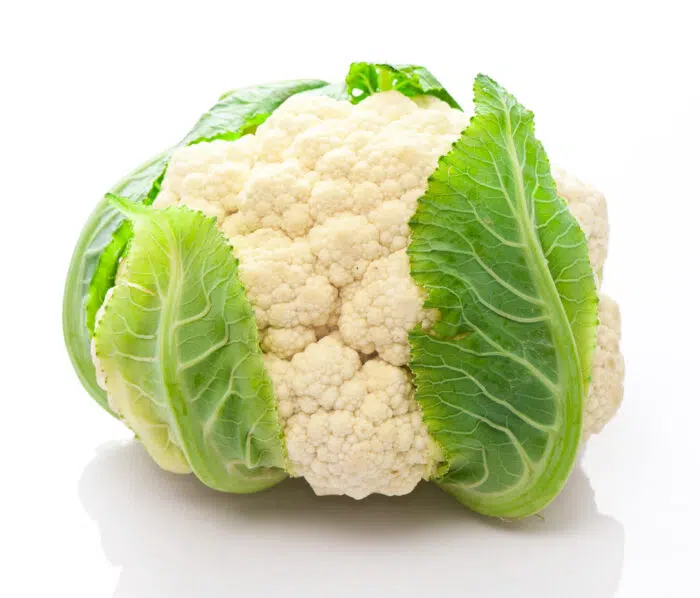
91,89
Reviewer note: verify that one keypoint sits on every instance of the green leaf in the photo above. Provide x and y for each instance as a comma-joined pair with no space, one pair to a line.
502,376
141,186
106,235
178,344
241,111
82,295
366,78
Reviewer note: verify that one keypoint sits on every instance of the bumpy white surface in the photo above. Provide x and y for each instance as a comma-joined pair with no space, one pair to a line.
316,205
351,428
606,388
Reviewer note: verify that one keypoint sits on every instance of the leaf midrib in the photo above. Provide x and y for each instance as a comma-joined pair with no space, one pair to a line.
188,432
569,374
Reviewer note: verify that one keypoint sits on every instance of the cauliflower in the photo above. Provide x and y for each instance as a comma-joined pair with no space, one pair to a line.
370,247
317,209
379,310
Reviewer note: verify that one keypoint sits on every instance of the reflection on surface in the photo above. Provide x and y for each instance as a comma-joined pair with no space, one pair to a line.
175,538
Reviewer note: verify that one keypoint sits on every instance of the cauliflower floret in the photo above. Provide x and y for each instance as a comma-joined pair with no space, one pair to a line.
378,312
318,106
336,163
338,197
287,342
297,115
588,206
331,197
436,119
388,106
391,219
275,196
344,246
352,429
606,388
395,164
280,282
208,176
312,145
322,368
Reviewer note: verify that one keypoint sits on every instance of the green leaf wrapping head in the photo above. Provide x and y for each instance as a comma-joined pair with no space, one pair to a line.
106,234
178,347
502,376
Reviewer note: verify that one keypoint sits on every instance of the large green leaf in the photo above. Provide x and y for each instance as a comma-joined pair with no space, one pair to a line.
502,376
106,234
179,348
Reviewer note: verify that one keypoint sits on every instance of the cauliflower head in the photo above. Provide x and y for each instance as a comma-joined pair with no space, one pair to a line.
361,286
316,205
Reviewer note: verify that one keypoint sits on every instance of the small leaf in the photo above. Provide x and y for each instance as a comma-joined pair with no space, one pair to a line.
366,78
